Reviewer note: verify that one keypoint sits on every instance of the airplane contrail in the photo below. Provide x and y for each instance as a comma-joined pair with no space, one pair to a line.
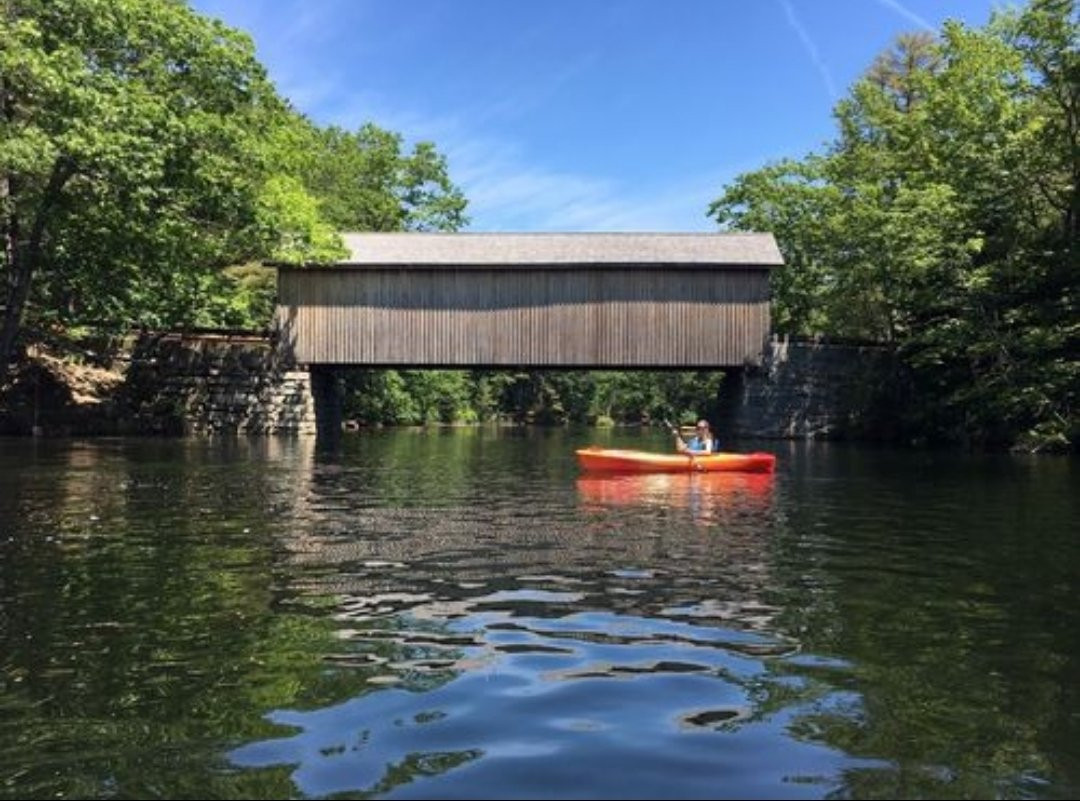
907,14
810,48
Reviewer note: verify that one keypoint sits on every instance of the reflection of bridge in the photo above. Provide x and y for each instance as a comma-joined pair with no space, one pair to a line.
537,300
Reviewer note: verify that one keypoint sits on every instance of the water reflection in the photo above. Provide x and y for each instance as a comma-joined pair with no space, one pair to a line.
524,634
526,691
462,614
137,620
710,497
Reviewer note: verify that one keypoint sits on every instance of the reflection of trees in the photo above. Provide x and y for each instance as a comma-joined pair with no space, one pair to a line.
479,526
150,619
955,615
415,765
140,625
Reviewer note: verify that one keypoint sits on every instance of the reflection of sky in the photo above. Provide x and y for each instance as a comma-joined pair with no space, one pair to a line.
587,702
350,746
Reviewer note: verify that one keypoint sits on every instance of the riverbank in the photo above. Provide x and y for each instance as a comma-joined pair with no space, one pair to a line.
170,384
58,390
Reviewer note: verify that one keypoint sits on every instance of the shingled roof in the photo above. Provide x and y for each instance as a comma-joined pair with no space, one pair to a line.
510,249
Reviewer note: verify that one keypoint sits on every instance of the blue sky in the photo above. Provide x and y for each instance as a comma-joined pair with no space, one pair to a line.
584,115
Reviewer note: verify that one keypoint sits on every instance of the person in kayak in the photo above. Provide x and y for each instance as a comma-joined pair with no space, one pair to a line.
702,441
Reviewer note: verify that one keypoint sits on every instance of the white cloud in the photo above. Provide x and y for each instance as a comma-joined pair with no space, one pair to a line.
507,191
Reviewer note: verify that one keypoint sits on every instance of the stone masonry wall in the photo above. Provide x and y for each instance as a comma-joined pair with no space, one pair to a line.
202,384
172,383
808,390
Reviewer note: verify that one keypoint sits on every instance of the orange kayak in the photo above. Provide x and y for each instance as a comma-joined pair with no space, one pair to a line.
612,460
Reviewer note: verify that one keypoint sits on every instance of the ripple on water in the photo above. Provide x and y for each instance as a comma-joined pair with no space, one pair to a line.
462,614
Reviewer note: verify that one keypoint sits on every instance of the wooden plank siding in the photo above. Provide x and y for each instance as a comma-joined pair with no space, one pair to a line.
525,314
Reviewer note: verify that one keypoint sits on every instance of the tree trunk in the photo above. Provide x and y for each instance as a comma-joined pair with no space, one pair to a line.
17,285
24,258
13,276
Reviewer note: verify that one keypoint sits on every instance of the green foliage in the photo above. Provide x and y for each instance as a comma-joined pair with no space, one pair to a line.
416,397
409,397
793,201
129,158
365,182
240,296
144,154
943,220
293,225
379,396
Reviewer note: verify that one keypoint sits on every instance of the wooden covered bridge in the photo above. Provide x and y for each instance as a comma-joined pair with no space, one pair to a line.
634,300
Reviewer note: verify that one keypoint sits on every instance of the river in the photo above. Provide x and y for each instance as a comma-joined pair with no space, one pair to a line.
460,613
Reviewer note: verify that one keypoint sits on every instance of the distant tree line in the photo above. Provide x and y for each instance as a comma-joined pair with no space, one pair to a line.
148,169
410,397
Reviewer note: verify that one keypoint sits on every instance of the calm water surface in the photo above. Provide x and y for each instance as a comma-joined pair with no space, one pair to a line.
462,614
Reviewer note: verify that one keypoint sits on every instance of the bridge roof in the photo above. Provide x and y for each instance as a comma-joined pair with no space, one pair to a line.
569,249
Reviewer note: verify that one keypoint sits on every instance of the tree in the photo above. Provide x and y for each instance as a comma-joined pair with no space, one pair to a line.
896,71
942,220
128,162
364,182
792,200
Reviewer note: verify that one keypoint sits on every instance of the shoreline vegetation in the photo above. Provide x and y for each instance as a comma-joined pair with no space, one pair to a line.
150,169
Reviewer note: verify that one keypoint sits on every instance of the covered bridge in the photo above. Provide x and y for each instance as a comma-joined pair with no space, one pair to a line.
583,300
